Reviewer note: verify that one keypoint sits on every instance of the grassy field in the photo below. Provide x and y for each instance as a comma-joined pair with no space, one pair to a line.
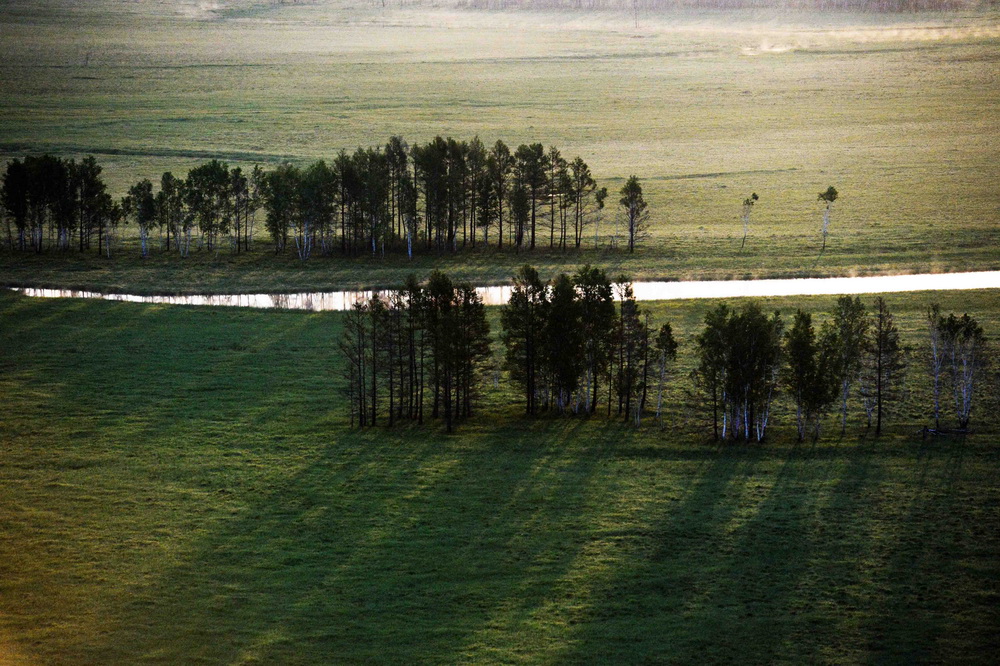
901,113
177,484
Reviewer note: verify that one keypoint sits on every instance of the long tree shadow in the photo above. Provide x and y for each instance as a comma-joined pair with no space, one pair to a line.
732,578
402,551
937,582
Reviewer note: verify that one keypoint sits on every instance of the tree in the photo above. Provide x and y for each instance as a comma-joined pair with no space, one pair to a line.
885,364
142,206
936,360
600,196
353,348
90,192
597,325
633,209
666,351
963,344
317,188
810,372
523,322
14,197
827,197
499,165
583,186
850,323
281,203
208,199
174,209
747,209
740,354
713,363
563,352
529,172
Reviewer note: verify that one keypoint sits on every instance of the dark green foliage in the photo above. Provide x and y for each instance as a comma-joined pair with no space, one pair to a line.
850,324
563,356
597,317
884,365
740,355
634,209
810,375
523,322
393,341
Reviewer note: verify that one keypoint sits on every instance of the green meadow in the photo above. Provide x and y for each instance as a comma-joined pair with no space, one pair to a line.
179,485
899,112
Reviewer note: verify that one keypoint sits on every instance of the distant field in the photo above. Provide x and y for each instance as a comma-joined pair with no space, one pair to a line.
900,112
178,485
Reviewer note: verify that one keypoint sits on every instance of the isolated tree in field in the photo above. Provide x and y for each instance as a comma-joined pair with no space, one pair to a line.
634,211
884,365
827,197
748,204
666,352
523,322
850,323
810,372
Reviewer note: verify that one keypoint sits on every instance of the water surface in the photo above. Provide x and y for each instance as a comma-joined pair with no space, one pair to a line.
644,291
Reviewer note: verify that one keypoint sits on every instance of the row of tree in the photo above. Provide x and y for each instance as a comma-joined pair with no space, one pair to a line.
581,344
746,357
563,339
399,344
440,197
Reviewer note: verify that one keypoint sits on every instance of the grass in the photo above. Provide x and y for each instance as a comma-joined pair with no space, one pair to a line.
898,112
178,484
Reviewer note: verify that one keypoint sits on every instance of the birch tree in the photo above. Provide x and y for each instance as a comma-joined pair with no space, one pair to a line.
748,204
827,197
666,351
850,323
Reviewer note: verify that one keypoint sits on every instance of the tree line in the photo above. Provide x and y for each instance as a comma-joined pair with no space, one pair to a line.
441,197
582,345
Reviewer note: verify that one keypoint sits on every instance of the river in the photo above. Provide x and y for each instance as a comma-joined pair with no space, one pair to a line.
644,291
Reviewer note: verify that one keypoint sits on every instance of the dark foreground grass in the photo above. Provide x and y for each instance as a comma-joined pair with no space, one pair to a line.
177,485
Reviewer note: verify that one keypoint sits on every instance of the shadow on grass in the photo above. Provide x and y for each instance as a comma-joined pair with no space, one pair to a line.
732,576
372,551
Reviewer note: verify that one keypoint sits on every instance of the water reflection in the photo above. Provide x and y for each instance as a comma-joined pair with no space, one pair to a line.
644,291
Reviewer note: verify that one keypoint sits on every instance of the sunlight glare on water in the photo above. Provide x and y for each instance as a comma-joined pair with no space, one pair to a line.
644,291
